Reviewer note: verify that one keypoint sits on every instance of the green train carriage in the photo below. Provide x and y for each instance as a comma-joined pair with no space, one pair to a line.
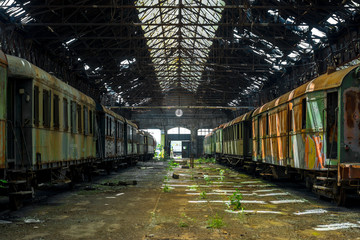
50,124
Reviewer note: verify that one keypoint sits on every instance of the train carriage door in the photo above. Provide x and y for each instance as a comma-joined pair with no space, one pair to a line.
331,124
258,138
350,149
20,120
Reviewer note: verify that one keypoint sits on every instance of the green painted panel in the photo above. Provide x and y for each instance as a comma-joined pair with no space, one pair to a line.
3,86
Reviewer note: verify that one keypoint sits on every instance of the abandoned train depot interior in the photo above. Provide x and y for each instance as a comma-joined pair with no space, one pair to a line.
179,119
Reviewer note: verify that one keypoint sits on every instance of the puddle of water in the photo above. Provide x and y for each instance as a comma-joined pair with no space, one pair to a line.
311,211
119,194
336,226
254,211
288,201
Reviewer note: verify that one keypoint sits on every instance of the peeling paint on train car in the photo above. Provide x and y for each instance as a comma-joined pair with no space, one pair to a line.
54,145
352,121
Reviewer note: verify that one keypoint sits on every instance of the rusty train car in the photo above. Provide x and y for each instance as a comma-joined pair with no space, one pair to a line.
312,132
51,132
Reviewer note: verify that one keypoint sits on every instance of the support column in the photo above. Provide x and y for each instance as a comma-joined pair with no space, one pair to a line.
164,141
193,147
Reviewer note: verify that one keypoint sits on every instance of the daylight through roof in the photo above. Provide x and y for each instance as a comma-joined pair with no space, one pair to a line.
178,42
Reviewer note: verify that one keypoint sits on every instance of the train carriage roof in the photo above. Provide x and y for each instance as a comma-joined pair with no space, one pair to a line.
3,59
21,68
241,118
108,111
323,82
131,123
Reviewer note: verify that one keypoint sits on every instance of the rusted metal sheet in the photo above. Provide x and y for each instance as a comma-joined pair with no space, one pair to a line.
349,172
352,119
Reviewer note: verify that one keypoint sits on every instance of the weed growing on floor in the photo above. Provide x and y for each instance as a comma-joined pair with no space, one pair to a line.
186,221
203,195
166,178
215,222
172,163
193,187
207,179
183,224
166,188
235,200
221,173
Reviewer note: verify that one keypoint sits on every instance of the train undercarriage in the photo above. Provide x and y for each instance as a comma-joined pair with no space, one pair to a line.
338,183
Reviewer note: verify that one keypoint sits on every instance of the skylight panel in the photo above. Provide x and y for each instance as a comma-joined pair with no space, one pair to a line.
316,32
190,40
14,9
294,55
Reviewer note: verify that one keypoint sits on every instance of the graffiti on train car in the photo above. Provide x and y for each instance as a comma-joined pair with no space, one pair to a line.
314,152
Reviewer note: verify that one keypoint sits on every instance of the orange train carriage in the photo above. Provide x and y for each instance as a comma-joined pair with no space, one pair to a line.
312,132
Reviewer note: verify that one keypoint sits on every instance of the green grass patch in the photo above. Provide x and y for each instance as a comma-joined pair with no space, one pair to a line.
215,222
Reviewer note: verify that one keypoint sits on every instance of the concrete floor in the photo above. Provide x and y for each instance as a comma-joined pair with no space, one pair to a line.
195,206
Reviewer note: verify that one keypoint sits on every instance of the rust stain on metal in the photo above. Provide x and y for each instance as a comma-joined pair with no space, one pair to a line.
350,105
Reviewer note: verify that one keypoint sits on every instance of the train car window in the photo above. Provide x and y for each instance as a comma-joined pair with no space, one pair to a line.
241,130
36,106
85,121
130,133
238,131
291,128
267,124
91,122
106,125
121,130
56,120
73,116
111,127
46,108
249,131
79,118
66,111
303,116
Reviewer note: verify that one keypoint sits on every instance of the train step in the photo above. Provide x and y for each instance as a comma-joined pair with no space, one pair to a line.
21,193
322,188
61,181
325,178
17,182
266,174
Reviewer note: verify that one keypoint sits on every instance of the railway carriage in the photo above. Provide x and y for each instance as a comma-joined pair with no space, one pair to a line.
150,145
237,136
50,124
111,137
312,132
132,141
51,132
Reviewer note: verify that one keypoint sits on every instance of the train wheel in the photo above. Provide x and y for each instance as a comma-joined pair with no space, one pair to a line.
340,197
309,183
